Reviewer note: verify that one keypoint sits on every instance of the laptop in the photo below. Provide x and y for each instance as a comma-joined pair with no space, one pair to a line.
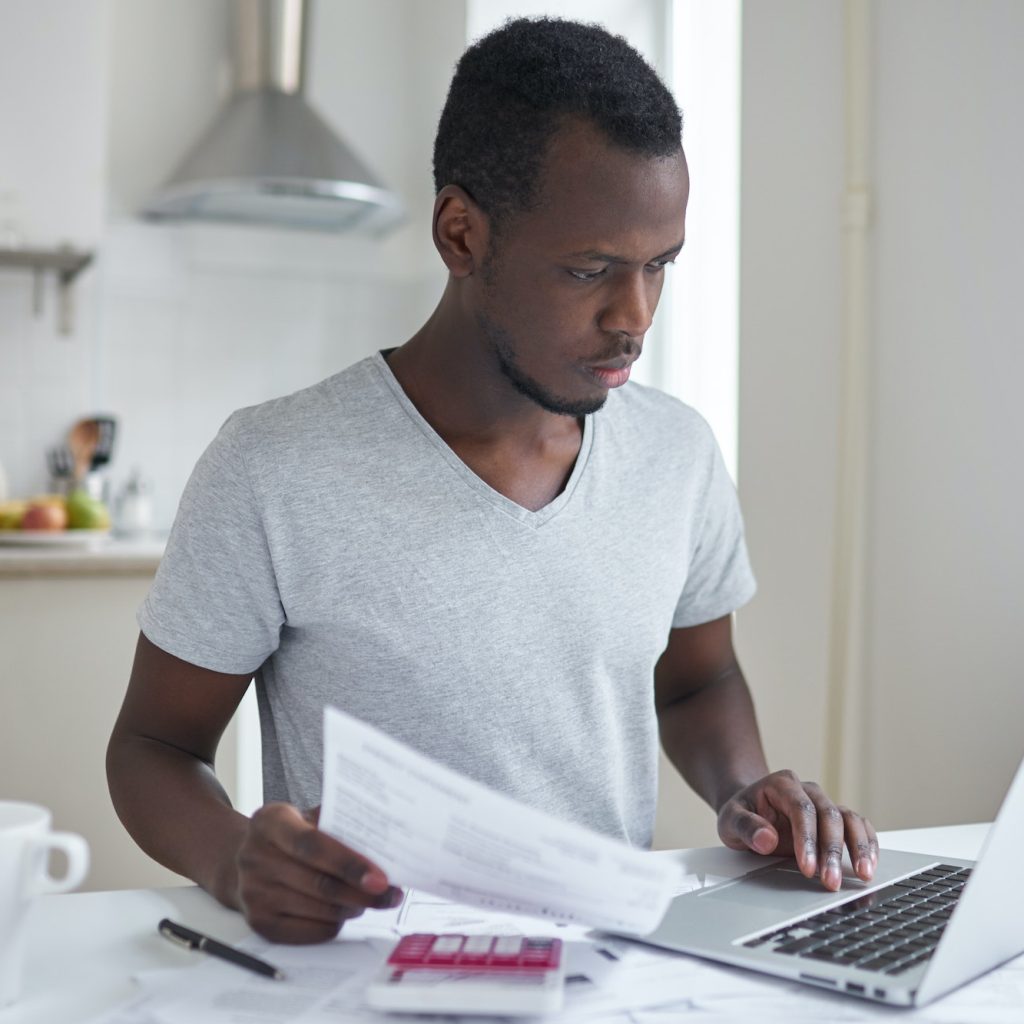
920,928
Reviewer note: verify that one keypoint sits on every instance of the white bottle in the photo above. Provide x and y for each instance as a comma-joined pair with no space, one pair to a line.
135,507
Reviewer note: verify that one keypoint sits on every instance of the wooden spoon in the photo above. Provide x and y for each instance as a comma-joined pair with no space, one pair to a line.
82,440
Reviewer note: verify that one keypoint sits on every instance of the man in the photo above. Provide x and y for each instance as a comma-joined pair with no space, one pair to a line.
483,541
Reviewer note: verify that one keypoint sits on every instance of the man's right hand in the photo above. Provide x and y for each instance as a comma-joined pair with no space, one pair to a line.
297,884
293,882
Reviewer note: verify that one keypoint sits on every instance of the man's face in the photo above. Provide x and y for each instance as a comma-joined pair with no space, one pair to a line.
571,286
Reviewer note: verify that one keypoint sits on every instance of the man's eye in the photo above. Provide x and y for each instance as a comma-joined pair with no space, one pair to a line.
655,267
588,275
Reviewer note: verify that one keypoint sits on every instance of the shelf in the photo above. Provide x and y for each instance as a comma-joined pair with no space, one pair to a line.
65,262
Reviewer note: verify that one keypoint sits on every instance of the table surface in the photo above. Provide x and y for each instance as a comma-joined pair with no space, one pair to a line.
83,948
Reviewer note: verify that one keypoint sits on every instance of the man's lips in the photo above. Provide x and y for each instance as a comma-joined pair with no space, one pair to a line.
614,372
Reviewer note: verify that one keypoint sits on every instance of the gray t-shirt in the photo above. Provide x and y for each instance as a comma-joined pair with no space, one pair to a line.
331,543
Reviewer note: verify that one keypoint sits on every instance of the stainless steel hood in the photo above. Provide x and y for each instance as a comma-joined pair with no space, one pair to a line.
269,158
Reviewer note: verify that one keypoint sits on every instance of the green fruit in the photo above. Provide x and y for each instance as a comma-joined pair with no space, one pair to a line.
86,512
11,514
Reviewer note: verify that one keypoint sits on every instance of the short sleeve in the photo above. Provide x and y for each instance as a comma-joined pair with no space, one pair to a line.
215,600
719,579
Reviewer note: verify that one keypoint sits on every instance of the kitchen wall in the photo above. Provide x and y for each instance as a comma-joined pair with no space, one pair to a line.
53,117
178,326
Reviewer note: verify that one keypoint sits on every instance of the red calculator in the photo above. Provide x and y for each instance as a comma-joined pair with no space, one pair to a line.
507,975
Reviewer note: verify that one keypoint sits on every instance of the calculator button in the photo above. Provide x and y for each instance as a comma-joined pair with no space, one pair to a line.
445,949
540,953
410,950
475,950
507,947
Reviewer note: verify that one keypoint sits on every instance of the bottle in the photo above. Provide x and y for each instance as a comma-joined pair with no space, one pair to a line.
11,236
135,506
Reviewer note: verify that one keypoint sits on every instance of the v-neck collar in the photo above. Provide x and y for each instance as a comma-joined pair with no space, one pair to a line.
477,484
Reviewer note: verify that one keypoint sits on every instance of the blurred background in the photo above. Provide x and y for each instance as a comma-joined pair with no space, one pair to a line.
845,314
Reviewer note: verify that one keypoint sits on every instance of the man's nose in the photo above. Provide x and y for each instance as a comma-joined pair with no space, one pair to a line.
630,309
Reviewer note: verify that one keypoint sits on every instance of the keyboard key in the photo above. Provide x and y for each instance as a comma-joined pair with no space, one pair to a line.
919,926
821,954
880,963
797,945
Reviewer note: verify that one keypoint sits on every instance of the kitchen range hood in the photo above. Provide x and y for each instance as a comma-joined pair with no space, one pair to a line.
269,159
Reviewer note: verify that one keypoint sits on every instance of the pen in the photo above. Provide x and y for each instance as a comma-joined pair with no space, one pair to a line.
195,940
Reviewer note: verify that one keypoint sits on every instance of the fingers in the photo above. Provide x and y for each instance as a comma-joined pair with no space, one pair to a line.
297,884
862,842
826,825
742,829
780,814
838,827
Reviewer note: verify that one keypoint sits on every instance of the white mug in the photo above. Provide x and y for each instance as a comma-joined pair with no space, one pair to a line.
25,845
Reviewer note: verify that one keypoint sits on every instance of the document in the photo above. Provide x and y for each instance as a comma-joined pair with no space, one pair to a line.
431,828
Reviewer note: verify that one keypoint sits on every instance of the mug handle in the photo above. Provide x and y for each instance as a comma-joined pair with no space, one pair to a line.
76,849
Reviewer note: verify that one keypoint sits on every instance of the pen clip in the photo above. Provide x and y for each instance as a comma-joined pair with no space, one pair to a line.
166,929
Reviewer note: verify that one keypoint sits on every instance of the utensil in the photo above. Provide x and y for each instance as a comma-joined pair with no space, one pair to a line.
61,466
107,426
82,440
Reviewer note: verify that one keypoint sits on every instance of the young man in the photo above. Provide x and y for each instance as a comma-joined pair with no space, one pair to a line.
484,541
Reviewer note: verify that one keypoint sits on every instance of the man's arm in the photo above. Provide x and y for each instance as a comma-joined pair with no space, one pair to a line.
709,732
292,882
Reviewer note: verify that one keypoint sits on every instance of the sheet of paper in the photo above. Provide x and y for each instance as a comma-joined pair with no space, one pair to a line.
714,995
423,912
326,982
430,827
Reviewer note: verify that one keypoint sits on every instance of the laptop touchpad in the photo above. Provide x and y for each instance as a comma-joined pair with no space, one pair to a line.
781,887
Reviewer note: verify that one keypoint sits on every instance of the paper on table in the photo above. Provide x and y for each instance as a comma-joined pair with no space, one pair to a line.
323,983
430,827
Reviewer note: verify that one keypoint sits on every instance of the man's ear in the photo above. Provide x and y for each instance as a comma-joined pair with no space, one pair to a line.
461,231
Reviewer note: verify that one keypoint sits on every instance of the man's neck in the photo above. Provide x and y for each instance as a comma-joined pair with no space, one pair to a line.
505,438
457,385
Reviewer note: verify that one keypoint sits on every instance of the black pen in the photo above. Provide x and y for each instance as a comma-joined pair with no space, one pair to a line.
195,940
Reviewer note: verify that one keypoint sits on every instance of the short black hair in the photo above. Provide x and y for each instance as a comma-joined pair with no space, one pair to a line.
516,86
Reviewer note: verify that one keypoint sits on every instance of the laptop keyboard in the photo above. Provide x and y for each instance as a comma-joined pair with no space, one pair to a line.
889,931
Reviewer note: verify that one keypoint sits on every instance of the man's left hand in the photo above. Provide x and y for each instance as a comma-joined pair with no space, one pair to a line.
782,816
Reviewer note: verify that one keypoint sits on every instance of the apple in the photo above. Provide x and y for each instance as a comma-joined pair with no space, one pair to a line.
45,515
11,513
86,512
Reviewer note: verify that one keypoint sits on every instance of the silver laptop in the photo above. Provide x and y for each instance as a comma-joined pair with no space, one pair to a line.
921,928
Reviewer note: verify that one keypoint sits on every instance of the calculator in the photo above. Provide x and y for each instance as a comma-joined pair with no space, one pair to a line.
506,975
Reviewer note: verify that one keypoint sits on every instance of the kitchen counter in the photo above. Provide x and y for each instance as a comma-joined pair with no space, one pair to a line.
108,556
68,634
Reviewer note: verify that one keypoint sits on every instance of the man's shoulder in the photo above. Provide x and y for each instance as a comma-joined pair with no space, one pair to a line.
332,405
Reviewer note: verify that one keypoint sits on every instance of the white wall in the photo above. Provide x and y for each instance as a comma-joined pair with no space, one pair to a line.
52,166
946,537
941,684
791,179
178,326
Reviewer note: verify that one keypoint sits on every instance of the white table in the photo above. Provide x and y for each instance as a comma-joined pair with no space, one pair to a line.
84,947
